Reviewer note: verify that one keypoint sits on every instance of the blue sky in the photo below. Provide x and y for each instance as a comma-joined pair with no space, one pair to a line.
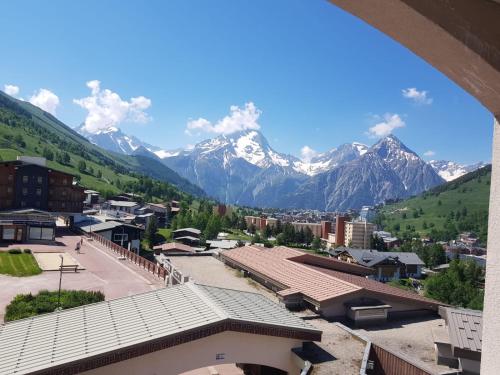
316,75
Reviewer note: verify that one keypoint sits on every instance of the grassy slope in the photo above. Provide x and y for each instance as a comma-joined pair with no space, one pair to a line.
98,159
471,191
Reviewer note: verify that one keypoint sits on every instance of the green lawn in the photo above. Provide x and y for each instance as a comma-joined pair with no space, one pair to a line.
18,265
236,234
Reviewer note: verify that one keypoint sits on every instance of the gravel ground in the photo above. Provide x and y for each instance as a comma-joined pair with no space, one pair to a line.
411,337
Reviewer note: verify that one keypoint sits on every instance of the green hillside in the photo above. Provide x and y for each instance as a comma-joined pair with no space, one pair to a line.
28,130
444,211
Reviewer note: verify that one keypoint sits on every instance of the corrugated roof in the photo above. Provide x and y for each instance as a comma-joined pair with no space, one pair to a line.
45,341
107,225
465,328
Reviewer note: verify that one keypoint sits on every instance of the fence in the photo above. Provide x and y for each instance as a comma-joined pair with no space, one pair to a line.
386,362
131,256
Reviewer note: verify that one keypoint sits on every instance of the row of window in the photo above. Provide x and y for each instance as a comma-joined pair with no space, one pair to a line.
39,179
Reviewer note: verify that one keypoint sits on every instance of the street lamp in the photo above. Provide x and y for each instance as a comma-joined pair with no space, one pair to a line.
60,281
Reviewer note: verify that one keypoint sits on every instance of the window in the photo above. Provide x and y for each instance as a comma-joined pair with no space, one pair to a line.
25,191
39,192
63,205
11,177
51,180
65,181
25,179
64,192
119,236
39,179
23,204
37,204
9,233
9,190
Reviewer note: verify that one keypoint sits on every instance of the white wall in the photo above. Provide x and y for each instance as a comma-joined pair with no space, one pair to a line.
235,347
491,318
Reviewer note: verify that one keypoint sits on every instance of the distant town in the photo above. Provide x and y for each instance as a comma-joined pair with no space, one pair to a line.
323,267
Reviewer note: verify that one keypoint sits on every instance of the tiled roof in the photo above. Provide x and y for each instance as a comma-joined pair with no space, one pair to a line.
45,341
378,287
275,264
319,284
465,328
174,246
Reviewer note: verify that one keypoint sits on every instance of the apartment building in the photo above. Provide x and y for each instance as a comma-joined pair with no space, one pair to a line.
358,234
27,183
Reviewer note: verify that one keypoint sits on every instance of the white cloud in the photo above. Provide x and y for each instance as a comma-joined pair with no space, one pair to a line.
429,153
106,108
239,119
419,97
46,100
307,153
390,122
11,90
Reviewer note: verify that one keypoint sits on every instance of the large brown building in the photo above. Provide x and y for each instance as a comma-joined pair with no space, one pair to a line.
340,229
28,183
31,195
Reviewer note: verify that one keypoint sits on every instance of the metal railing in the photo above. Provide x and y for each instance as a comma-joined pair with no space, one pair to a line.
149,266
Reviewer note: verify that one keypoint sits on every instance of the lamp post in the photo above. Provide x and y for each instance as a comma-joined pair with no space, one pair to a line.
60,281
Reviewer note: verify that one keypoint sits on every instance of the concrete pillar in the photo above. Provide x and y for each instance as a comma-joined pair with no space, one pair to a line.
491,314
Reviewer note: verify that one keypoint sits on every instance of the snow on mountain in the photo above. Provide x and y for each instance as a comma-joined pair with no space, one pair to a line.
450,170
331,159
113,139
415,174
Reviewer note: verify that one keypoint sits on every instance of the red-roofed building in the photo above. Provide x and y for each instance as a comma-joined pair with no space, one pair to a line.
331,287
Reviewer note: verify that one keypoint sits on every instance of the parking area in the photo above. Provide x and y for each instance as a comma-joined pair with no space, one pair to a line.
103,271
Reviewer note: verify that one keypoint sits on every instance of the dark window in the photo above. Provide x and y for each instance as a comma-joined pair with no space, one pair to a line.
25,179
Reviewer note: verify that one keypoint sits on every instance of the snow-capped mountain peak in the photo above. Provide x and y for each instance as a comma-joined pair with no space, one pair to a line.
450,170
115,140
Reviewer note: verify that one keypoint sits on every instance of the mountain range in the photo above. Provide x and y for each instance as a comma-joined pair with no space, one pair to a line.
242,168
39,133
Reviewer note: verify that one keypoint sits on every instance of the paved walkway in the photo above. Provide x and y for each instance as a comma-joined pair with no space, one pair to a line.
103,272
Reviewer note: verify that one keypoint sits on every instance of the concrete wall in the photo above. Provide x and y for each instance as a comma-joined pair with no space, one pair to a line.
337,309
491,318
222,348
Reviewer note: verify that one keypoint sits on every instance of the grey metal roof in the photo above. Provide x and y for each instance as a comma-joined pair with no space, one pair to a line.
107,225
369,258
193,230
49,340
223,244
465,328
123,203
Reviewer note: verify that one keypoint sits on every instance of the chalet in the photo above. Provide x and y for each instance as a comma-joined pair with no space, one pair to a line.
188,236
389,265
125,235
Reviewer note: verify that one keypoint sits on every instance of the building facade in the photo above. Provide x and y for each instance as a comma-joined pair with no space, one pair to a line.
358,234
27,183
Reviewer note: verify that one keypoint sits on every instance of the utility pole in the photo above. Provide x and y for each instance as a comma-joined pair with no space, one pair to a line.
60,281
